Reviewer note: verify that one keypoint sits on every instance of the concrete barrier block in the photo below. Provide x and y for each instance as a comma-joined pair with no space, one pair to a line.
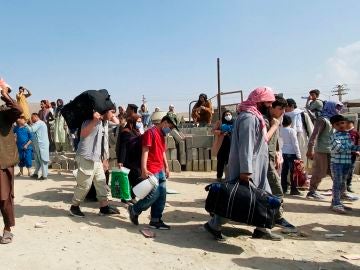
170,165
70,154
176,166
201,165
189,166
55,159
170,142
177,135
188,155
213,164
195,165
199,131
205,141
207,153
72,164
189,142
56,166
167,153
201,153
195,154
357,167
64,164
173,154
208,165
182,152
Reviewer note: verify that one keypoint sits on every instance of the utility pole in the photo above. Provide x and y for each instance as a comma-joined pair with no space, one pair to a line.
219,89
340,90
143,99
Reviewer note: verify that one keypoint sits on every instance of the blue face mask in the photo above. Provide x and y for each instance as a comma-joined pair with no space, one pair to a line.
166,130
139,125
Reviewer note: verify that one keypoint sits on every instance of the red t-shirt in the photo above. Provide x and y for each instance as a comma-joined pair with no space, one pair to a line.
155,140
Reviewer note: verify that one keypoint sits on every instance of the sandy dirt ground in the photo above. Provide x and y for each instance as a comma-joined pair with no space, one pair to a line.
97,242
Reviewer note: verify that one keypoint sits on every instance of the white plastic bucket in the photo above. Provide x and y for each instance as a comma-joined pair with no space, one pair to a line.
142,189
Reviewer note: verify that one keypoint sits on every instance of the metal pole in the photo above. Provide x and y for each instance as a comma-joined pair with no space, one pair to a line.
219,91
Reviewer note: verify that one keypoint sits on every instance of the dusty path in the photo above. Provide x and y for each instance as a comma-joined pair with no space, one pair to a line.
114,243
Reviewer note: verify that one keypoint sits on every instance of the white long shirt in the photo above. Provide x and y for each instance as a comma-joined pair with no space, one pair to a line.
290,141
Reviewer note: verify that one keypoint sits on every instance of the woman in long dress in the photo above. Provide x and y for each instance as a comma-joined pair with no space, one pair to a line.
60,129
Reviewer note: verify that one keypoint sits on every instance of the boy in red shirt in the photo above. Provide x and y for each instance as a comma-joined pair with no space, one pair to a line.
354,135
153,162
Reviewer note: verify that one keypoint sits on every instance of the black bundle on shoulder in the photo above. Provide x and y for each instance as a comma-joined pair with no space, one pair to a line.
83,106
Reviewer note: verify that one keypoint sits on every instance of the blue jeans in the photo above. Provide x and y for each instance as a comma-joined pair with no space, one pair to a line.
339,174
287,166
155,199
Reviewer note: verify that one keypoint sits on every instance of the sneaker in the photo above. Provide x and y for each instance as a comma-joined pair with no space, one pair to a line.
287,226
314,196
133,217
257,234
338,209
295,192
349,189
42,178
160,225
347,197
108,210
76,212
34,176
217,234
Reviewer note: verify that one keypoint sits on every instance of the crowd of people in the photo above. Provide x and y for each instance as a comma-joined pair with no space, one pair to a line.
258,143
269,134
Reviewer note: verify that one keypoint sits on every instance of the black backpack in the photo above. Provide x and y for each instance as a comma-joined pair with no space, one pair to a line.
84,105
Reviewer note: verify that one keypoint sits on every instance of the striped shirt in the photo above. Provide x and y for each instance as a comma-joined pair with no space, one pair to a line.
341,147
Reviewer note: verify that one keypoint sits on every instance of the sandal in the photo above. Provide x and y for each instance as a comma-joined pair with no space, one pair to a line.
6,238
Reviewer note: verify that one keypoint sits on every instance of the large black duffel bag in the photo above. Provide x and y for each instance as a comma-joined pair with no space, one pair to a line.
242,202
84,105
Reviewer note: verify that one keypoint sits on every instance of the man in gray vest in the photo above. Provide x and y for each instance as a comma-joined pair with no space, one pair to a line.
91,152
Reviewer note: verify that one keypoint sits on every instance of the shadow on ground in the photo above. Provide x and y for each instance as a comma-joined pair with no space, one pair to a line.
262,263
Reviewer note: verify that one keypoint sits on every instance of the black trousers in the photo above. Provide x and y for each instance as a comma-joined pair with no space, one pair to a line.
223,156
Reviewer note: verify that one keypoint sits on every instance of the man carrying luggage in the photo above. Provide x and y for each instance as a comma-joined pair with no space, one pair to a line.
89,155
249,155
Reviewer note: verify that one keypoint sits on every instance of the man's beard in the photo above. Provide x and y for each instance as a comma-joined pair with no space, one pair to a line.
263,109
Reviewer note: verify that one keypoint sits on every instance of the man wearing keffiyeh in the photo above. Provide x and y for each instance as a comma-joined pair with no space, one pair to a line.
249,154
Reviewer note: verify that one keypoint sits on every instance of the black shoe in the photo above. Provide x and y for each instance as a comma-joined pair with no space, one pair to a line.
257,234
217,234
108,210
283,223
76,212
42,178
295,191
34,176
349,189
134,218
160,225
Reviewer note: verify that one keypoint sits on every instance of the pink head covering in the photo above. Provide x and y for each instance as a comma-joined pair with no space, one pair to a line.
260,94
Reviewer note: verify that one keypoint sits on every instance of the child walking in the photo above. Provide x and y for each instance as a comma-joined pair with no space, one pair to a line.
355,137
290,153
340,162
24,145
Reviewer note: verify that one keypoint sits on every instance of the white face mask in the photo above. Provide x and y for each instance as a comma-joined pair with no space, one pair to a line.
228,117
